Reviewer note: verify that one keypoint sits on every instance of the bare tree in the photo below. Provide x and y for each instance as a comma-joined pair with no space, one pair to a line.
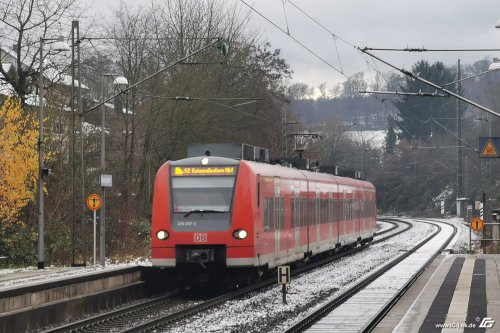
353,85
23,23
298,91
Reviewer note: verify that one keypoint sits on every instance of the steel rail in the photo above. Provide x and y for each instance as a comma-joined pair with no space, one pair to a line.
383,312
153,308
394,226
115,317
315,316
164,322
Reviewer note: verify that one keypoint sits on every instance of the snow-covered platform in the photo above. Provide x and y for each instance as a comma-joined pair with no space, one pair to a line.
456,293
24,277
30,299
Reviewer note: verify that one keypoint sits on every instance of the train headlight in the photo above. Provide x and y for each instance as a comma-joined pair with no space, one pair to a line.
240,234
162,234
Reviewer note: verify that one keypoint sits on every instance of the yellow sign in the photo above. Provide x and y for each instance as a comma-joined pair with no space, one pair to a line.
476,224
204,171
94,202
489,150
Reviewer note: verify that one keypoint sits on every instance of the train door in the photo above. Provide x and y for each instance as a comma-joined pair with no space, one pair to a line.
344,216
317,216
297,215
277,222
364,206
357,215
330,217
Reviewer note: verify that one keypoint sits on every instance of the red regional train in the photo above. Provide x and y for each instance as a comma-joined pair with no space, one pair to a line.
213,214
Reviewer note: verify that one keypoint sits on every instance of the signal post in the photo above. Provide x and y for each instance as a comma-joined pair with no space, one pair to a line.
94,202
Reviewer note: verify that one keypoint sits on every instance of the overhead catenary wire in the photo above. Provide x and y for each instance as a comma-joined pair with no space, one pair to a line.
366,49
375,68
215,40
321,25
191,98
471,77
236,109
295,40
337,50
408,49
286,18
456,136
402,93
416,77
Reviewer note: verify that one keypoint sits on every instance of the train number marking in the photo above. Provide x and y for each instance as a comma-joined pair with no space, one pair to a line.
186,223
200,238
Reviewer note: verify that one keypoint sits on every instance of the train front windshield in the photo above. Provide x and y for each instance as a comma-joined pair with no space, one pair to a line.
202,193
202,203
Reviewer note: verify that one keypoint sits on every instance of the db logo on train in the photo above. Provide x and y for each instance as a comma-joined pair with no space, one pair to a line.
200,237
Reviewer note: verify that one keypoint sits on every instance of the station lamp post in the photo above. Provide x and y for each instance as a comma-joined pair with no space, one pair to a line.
58,45
105,179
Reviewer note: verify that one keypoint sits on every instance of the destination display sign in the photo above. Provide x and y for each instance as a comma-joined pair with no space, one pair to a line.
203,171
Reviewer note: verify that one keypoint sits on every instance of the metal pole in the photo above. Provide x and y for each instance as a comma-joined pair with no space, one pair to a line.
470,237
283,291
284,133
41,222
72,153
102,242
459,139
484,221
95,237
76,26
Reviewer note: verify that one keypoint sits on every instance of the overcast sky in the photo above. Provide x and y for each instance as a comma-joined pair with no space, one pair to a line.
433,24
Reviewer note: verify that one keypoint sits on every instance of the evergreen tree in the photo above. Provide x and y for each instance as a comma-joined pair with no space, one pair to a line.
390,138
416,114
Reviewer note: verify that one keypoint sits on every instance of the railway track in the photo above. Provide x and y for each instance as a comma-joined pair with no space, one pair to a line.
157,314
304,323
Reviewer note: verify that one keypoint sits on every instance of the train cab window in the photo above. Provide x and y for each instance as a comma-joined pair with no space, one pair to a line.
207,193
202,203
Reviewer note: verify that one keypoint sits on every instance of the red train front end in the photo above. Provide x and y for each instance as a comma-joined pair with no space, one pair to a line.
194,229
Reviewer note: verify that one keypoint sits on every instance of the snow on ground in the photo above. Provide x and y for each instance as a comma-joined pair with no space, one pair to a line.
32,275
382,226
460,243
264,311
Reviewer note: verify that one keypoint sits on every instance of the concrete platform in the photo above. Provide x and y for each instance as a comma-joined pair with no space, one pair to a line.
34,299
456,293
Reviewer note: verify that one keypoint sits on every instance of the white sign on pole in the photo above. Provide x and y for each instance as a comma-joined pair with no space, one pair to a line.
106,180
442,207
283,274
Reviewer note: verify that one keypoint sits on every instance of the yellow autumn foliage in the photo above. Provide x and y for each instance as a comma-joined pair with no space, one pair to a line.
18,160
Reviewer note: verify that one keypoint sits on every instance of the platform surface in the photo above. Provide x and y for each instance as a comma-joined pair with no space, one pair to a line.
456,293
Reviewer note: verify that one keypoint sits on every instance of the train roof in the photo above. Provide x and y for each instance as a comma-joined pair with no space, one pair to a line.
265,169
285,172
